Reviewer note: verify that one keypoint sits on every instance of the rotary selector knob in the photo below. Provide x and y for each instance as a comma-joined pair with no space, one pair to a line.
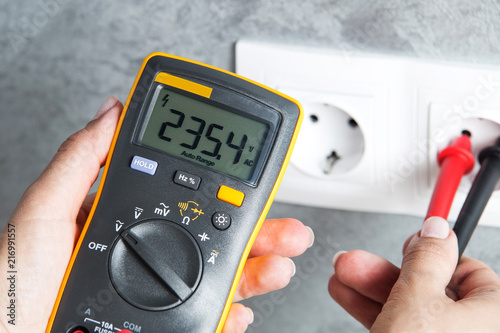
155,265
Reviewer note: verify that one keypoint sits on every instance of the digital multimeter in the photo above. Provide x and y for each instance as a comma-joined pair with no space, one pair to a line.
192,171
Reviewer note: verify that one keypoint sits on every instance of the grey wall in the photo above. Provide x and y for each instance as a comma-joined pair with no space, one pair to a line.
60,59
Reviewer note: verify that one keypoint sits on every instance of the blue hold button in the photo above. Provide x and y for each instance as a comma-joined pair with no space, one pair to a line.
144,165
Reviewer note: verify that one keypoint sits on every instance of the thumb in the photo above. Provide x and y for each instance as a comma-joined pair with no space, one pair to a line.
44,219
419,294
429,261
62,187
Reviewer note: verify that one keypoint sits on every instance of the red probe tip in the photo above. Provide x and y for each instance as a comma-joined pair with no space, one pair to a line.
455,161
459,148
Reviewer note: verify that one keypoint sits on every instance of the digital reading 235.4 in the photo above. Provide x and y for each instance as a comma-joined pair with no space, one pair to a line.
228,142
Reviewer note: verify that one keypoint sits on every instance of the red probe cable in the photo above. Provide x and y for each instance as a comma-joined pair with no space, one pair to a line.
455,161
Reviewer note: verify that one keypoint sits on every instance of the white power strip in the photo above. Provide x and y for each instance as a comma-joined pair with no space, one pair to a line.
374,124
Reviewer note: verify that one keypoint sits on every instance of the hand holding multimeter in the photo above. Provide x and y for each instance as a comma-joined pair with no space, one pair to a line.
192,170
43,231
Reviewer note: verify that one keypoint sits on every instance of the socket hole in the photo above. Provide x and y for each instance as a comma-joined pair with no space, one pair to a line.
352,123
466,132
314,118
330,162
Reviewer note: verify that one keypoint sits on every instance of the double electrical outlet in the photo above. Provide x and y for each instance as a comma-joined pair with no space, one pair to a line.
374,124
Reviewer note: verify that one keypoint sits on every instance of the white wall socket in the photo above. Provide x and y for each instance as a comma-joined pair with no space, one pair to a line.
381,120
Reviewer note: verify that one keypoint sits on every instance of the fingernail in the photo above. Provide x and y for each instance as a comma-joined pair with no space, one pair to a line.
250,312
106,106
293,266
336,257
312,236
435,227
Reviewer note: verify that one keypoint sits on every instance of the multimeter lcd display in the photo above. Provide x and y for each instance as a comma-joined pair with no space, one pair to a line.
202,133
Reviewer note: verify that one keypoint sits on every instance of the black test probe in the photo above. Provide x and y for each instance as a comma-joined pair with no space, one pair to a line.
479,194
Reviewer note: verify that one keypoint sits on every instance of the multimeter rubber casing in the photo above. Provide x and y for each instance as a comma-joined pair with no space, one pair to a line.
173,222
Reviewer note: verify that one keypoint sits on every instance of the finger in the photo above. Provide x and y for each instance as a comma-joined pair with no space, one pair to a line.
238,319
477,294
284,237
429,261
45,217
408,241
85,210
366,273
264,274
60,190
450,291
363,309
474,278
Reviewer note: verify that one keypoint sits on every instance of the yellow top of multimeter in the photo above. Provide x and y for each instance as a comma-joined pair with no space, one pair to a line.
192,171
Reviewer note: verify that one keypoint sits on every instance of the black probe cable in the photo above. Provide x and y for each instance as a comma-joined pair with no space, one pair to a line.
479,194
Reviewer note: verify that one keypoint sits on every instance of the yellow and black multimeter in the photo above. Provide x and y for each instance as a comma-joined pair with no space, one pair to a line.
192,171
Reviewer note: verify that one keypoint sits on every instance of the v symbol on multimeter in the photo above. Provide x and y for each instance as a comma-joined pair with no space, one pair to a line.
137,213
119,225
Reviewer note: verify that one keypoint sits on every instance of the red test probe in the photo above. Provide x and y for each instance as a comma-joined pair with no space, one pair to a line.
455,161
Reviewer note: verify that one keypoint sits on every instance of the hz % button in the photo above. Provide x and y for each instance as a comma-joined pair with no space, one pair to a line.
187,180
